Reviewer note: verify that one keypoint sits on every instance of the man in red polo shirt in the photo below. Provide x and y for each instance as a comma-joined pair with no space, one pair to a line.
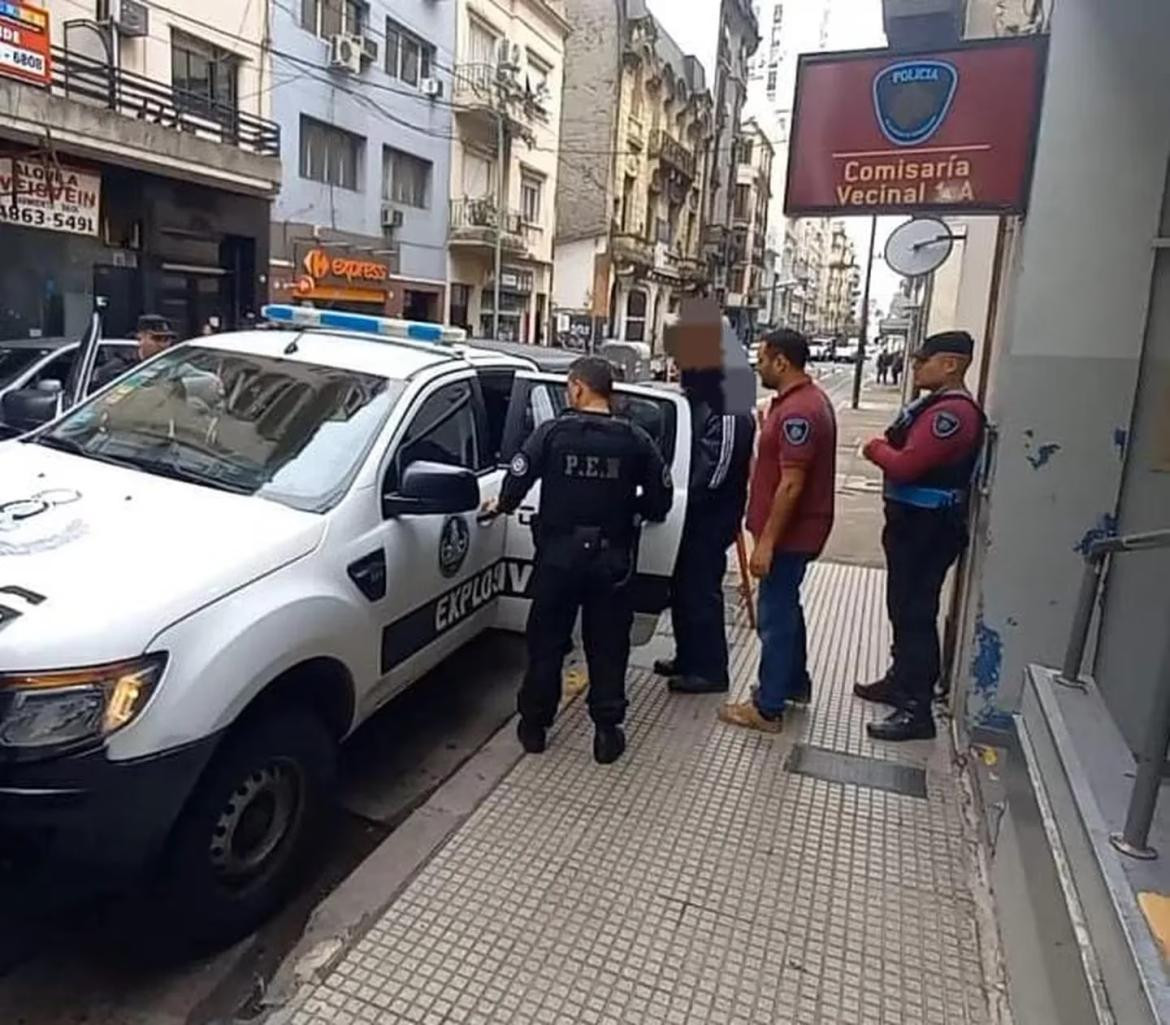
790,515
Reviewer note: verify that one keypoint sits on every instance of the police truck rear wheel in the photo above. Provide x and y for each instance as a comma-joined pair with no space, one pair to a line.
244,840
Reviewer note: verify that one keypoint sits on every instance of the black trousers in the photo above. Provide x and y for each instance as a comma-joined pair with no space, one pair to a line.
570,577
921,545
696,608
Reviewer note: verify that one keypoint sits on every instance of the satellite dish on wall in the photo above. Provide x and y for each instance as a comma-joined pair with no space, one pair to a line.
919,246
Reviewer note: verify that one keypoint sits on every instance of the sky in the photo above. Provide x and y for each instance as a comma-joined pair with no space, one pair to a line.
853,25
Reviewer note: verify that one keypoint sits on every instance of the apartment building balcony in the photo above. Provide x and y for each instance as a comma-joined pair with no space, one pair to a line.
630,248
473,93
672,154
635,131
109,114
474,225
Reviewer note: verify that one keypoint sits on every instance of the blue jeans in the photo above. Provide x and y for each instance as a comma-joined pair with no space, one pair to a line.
783,639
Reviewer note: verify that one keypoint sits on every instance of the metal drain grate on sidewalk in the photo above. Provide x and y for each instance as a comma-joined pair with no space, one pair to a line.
876,773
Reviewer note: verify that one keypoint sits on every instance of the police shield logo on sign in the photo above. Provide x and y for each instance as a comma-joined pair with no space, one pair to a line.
945,425
454,543
912,99
797,430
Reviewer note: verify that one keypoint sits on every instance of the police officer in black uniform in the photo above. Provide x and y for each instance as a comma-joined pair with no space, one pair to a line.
600,474
928,457
720,464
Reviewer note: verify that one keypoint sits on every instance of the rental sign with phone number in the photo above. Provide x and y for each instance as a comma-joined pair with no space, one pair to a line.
52,197
24,43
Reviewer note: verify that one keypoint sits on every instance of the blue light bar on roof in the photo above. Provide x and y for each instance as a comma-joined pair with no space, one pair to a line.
386,327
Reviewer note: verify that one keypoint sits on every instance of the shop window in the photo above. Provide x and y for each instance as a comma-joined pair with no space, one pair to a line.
408,58
636,316
330,155
204,77
406,179
327,18
531,197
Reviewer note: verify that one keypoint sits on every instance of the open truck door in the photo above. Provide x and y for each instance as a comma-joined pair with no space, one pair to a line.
666,417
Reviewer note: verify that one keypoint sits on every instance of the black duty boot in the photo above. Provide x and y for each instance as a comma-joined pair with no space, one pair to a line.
881,691
666,667
533,737
609,744
904,724
696,685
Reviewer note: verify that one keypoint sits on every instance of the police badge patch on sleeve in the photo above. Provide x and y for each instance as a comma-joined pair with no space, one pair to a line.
797,430
945,425
519,465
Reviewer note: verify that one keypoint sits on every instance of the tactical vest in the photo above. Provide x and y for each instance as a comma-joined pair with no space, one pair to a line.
953,477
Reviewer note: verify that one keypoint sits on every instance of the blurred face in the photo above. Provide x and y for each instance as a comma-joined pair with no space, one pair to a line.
934,371
151,343
771,366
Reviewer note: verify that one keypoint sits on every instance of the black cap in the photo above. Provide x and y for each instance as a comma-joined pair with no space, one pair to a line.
153,324
952,343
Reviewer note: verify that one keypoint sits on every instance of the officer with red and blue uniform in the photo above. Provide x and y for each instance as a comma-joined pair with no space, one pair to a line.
928,457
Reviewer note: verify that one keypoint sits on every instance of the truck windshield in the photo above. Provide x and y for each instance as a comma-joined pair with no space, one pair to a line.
292,432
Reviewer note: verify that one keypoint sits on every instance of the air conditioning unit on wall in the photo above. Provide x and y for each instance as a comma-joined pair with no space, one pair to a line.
431,87
391,218
345,54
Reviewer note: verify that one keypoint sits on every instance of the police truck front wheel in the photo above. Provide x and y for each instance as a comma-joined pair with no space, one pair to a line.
244,839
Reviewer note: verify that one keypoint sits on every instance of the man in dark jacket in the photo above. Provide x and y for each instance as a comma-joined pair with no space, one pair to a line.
720,465
154,334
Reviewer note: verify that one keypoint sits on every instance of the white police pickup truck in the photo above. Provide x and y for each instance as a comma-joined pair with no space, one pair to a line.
214,569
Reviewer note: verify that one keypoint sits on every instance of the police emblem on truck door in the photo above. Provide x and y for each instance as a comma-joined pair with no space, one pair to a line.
454,543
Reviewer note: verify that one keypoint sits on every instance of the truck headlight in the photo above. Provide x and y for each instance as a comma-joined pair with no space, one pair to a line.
61,708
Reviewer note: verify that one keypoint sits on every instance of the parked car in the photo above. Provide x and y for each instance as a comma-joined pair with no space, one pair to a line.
820,349
847,351
31,370
236,554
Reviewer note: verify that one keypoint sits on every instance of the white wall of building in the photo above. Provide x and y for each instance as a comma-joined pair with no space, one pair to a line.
573,284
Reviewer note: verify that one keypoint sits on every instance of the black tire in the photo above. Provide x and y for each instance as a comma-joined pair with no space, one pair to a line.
248,831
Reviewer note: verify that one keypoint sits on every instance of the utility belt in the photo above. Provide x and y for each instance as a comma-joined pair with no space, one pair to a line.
925,498
593,539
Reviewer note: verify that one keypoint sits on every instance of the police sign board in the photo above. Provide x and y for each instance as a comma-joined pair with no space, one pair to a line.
876,132
49,196
24,43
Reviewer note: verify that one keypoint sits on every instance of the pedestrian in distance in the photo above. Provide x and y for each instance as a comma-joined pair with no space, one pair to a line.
928,456
897,364
720,464
601,474
883,366
790,516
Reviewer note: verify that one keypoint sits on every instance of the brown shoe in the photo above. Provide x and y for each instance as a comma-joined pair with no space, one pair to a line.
746,714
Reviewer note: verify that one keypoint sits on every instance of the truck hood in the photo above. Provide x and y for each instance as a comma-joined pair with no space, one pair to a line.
96,559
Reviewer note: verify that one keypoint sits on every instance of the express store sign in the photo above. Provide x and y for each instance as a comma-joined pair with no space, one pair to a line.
954,131
25,53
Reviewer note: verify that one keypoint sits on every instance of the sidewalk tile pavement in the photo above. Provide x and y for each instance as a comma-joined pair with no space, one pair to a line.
696,881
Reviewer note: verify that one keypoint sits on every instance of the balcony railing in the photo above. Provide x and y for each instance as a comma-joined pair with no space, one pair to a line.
672,153
475,221
96,83
474,86
631,248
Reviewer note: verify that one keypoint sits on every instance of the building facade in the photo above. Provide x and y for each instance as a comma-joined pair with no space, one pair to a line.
636,118
750,209
507,96
363,98
137,164
739,36
840,285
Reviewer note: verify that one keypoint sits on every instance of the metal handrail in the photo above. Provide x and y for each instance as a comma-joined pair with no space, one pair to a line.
80,77
1143,799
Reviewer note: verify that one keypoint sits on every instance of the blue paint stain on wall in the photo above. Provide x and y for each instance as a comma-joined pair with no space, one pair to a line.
1105,527
988,659
1041,456
993,719
1120,440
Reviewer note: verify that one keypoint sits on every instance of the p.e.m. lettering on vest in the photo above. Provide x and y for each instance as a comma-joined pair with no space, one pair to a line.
878,132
